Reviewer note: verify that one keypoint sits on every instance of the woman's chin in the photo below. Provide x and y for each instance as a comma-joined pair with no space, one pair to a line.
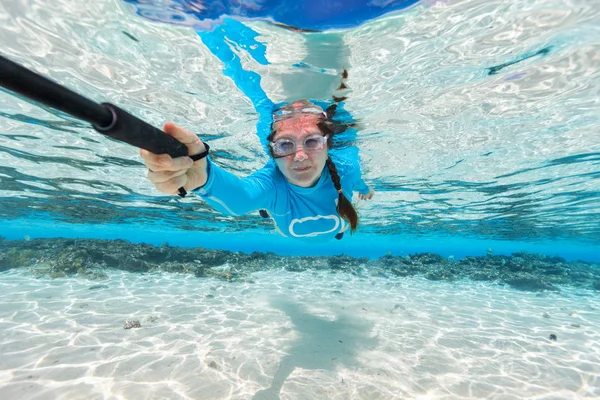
303,181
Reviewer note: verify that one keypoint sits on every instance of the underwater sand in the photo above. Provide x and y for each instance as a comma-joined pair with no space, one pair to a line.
308,335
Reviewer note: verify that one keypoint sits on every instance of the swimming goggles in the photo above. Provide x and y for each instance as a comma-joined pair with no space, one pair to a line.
285,146
285,113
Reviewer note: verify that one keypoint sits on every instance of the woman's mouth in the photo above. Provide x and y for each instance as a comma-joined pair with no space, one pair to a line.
301,169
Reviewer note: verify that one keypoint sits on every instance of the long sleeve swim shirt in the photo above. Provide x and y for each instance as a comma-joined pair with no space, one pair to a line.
298,212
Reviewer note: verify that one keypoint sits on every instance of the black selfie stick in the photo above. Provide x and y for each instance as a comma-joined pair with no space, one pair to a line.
106,118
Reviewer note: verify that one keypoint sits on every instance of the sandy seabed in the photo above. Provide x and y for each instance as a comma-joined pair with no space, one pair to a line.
308,335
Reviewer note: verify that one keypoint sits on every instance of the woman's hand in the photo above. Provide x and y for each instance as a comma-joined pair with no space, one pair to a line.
169,174
367,196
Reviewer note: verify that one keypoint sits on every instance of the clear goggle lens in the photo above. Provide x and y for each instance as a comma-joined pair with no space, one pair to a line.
284,147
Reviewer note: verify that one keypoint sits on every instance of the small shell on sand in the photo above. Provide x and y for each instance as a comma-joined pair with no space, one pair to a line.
132,324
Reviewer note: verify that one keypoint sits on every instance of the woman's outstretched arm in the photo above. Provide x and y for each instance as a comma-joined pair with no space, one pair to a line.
222,190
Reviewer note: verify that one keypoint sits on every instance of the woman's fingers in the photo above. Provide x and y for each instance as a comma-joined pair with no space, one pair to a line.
367,196
164,176
164,162
371,193
174,164
190,139
168,174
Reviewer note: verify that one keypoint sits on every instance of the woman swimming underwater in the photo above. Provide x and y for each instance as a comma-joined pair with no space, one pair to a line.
301,188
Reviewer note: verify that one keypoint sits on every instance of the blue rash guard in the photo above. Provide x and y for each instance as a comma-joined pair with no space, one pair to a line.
298,212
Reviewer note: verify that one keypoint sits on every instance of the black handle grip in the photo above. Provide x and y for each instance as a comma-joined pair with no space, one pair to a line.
130,129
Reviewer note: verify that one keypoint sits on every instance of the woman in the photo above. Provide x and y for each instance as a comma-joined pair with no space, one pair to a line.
301,188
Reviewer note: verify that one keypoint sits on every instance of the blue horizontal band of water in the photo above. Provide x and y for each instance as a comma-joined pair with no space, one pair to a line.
360,245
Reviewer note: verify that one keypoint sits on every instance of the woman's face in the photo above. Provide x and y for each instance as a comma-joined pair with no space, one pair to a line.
301,168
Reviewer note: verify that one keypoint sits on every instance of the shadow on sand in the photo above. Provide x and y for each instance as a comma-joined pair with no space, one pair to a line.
322,344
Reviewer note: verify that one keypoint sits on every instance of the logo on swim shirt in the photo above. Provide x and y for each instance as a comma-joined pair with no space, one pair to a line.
315,226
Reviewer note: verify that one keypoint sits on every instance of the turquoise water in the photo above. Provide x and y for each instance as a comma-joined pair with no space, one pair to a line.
478,132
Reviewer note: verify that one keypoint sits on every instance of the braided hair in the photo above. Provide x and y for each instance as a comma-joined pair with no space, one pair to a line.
344,207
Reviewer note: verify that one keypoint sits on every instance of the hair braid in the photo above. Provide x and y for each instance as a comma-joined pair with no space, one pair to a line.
344,206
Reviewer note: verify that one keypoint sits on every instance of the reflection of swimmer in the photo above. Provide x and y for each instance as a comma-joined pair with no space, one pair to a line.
303,190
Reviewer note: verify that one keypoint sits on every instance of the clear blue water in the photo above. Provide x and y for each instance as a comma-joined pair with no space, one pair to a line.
478,131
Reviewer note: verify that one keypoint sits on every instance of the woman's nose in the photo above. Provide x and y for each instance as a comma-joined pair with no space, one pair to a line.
300,155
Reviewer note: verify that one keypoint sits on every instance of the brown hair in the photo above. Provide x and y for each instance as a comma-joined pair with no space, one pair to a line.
330,127
344,207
